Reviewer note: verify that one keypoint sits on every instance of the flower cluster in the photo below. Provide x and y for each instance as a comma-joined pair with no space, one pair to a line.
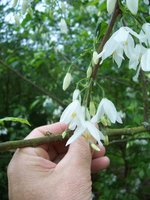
78,119
122,42
132,5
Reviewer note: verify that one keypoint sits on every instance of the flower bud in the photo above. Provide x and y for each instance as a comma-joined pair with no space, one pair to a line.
111,6
95,58
92,108
89,72
106,140
132,5
67,81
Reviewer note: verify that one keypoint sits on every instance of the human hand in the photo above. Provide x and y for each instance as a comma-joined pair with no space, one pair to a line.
54,171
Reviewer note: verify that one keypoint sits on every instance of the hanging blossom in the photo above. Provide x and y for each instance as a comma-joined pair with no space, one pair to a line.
78,119
132,5
122,43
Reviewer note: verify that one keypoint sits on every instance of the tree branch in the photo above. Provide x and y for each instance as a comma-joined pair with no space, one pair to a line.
10,145
33,84
115,14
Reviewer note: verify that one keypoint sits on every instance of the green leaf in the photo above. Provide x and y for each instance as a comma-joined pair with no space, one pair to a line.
15,119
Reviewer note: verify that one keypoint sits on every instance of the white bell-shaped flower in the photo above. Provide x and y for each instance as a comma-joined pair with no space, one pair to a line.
132,5
111,6
107,108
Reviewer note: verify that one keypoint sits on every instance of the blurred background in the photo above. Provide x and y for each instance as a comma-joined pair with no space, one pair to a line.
38,44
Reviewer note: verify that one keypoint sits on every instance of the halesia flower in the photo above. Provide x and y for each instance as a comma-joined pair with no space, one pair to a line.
145,61
121,41
132,5
70,115
87,129
63,26
107,108
145,34
67,81
111,5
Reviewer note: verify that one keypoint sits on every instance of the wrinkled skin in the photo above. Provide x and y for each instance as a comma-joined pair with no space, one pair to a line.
52,171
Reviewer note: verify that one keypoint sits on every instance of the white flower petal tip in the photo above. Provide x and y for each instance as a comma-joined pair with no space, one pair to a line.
95,147
63,26
76,94
111,6
145,61
132,5
67,81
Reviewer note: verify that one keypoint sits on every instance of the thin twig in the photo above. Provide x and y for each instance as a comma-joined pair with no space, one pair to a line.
33,84
10,145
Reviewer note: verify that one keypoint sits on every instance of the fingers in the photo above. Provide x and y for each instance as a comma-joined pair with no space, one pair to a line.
56,128
99,161
99,164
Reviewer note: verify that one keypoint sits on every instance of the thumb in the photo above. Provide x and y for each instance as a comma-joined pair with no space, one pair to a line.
79,155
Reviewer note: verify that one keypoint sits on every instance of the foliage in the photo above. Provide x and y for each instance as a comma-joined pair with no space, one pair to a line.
35,57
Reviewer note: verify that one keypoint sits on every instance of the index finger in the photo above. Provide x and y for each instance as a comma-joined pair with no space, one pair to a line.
56,128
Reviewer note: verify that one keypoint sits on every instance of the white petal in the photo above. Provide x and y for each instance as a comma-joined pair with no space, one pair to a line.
129,47
119,120
121,35
78,132
145,61
76,94
132,6
66,115
97,134
110,110
146,29
118,56
109,48
111,5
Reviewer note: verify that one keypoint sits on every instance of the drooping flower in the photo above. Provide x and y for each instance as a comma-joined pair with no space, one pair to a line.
107,108
145,61
70,114
67,81
111,6
132,5
87,129
63,26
